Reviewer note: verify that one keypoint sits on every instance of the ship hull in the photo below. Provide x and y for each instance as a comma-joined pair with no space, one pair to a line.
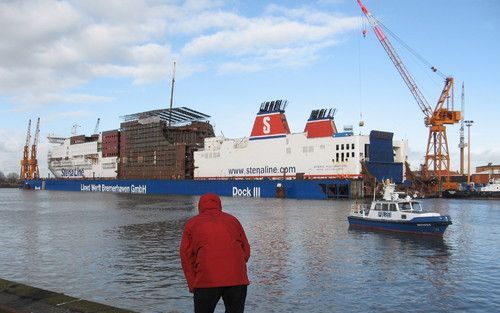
421,227
292,189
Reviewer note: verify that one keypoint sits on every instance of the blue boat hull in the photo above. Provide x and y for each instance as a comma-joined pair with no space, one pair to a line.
293,189
433,227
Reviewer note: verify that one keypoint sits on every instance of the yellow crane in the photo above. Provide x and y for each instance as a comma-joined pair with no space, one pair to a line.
33,162
25,166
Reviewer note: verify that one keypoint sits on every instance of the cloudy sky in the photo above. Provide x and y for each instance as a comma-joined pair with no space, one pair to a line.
71,62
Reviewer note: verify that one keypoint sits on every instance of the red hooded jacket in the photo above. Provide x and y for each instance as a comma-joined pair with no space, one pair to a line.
214,248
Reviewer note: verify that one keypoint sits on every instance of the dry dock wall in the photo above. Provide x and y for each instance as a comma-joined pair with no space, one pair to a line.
293,189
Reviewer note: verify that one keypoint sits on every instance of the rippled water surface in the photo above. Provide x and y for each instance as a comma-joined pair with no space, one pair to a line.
122,250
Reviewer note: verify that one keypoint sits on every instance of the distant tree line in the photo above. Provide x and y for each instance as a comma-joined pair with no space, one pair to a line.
9,180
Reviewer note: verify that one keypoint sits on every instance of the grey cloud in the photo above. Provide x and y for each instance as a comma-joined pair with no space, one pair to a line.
51,46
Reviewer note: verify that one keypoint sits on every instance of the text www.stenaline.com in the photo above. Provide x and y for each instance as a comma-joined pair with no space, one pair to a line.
265,170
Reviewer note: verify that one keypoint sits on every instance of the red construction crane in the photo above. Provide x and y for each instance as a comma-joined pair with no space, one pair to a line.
437,156
25,166
33,162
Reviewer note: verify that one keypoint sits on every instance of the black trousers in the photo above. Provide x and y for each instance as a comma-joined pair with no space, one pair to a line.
205,299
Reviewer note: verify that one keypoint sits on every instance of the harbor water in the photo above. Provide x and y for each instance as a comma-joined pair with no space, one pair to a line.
122,250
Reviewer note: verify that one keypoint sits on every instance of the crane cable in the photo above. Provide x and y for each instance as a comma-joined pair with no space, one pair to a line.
360,74
412,51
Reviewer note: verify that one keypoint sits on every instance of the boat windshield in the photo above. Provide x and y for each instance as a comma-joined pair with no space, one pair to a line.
405,206
410,206
416,206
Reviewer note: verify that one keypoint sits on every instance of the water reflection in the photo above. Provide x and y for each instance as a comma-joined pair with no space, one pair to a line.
401,258
271,270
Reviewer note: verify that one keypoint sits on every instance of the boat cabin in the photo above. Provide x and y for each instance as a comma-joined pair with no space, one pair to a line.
412,206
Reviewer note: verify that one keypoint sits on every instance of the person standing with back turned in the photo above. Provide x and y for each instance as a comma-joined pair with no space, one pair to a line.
214,251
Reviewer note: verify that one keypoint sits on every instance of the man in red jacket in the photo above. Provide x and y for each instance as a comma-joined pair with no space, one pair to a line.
214,252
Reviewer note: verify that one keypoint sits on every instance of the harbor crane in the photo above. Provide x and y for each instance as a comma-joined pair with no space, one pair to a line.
34,173
25,166
96,129
437,157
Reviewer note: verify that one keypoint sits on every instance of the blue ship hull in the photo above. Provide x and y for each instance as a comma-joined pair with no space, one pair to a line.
293,189
424,226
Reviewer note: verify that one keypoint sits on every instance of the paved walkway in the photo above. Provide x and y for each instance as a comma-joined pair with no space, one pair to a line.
19,298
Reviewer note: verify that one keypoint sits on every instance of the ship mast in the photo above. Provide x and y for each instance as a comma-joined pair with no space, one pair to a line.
462,143
171,97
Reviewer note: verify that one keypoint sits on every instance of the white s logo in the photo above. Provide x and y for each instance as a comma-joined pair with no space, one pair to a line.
267,128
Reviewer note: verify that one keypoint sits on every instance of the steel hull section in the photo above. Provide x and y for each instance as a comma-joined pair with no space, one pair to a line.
422,227
293,189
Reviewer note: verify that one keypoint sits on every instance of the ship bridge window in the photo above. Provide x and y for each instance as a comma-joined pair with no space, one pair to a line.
342,147
337,147
416,206
352,154
385,206
378,207
392,207
405,206
352,146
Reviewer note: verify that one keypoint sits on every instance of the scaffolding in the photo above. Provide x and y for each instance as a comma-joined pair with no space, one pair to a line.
150,149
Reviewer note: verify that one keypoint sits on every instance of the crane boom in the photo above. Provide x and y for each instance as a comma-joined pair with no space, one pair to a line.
25,160
37,133
33,161
96,129
396,60
28,136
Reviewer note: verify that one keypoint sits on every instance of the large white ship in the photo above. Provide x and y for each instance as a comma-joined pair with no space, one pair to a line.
81,157
320,151
270,152
147,155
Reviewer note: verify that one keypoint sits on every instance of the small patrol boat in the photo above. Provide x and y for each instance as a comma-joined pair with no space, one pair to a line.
393,213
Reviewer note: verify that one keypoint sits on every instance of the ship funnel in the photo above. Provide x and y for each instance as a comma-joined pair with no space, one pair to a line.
321,124
270,121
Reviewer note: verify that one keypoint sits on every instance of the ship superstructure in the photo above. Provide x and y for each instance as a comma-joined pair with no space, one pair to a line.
320,151
80,157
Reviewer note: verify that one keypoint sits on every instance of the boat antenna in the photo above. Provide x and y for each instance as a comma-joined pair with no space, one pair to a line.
374,188
171,97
